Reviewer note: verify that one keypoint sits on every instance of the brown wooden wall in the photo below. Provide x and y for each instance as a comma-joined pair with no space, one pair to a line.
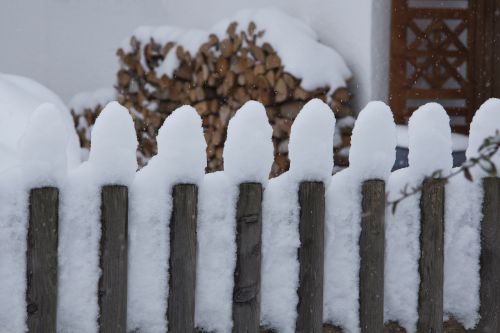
446,51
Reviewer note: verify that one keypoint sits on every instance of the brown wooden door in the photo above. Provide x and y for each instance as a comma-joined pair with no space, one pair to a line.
442,51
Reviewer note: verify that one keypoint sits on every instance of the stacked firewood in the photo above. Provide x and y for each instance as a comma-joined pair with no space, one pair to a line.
217,80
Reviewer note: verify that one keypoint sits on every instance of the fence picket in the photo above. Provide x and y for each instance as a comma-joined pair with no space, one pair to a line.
430,295
490,258
113,259
182,262
311,256
371,248
41,263
246,295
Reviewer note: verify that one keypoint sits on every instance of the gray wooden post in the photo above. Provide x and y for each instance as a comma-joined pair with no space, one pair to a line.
372,251
430,296
113,259
246,294
182,262
311,256
41,263
490,258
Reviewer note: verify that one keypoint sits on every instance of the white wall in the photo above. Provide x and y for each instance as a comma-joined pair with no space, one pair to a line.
70,45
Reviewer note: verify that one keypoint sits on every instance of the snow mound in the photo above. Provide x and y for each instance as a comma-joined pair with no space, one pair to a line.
42,148
429,140
311,142
248,151
180,159
19,98
486,122
114,145
373,142
297,45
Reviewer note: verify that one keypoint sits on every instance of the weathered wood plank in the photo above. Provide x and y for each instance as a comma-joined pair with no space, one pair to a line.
182,262
41,263
246,295
372,251
490,258
113,259
311,256
430,296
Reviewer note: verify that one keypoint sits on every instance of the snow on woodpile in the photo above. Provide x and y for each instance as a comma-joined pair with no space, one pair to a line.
19,98
247,160
180,159
372,157
462,230
261,55
311,160
430,150
111,161
85,107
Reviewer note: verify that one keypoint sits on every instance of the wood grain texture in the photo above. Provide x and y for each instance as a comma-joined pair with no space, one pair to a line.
430,296
490,258
246,295
311,256
182,262
41,263
372,252
113,259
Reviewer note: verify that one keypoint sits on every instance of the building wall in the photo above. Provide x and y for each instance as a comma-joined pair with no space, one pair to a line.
70,45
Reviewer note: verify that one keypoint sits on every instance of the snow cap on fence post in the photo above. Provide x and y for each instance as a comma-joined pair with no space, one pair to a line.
113,146
182,145
429,140
311,142
486,122
248,151
42,148
373,142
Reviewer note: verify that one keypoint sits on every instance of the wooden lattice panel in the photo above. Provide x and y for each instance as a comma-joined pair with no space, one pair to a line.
433,58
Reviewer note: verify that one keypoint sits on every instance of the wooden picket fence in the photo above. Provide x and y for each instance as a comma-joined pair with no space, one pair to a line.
112,291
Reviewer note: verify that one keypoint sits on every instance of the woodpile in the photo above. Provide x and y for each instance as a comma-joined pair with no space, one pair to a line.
217,80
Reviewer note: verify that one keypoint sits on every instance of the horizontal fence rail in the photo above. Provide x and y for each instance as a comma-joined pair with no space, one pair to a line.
42,240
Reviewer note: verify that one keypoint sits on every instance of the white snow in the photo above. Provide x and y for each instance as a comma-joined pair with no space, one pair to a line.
13,233
311,142
463,224
459,141
372,157
311,156
89,100
42,148
181,159
248,151
19,98
216,252
296,43
429,150
112,161
114,144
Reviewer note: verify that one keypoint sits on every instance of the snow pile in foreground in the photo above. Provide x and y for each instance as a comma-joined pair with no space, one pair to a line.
430,150
311,159
180,159
372,156
19,98
248,156
296,43
112,161
463,229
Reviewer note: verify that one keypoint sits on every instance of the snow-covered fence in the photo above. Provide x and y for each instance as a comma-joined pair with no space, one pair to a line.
172,249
